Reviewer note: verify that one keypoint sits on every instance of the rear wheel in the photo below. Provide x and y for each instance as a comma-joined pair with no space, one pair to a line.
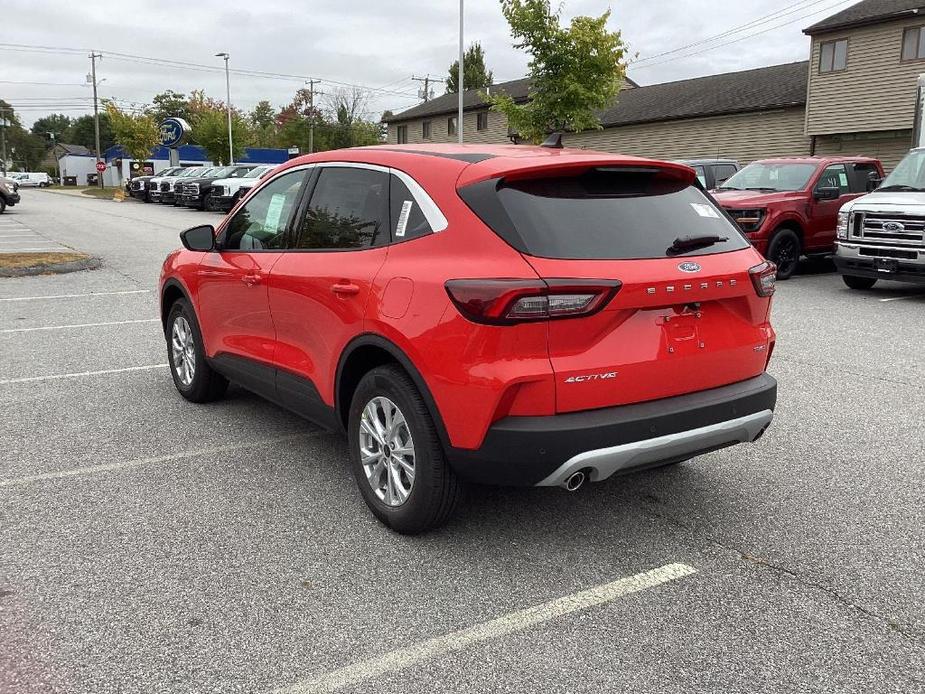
859,282
192,375
396,455
784,251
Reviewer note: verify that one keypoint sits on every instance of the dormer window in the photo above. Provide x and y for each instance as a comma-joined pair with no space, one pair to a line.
833,56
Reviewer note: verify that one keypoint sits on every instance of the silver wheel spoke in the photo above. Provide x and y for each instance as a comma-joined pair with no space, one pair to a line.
183,350
370,429
387,451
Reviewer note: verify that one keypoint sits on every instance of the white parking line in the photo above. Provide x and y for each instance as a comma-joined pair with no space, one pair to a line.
496,628
108,467
76,296
901,298
18,236
79,325
28,250
79,374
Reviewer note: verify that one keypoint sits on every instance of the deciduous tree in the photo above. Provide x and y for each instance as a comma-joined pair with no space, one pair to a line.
137,133
574,71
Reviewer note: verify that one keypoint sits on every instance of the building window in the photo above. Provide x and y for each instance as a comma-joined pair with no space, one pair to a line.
481,121
402,134
425,129
451,125
833,56
914,43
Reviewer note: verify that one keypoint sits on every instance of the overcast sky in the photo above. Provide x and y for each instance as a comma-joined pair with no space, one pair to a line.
372,43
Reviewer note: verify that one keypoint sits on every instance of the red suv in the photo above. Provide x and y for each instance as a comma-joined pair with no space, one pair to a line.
497,314
789,207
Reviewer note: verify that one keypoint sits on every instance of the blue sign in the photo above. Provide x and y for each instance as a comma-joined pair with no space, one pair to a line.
174,132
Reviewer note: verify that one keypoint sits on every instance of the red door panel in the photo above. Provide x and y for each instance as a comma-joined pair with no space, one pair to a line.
233,309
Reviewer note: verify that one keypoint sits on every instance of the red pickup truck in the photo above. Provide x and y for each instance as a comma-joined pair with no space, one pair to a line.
789,207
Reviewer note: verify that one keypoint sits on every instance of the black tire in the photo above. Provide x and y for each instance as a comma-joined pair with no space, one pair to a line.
784,251
206,384
859,282
436,491
2,205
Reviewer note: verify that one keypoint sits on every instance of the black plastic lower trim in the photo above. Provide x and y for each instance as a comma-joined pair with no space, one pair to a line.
525,450
858,267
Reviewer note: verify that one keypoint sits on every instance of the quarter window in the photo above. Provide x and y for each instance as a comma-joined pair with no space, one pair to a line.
481,121
261,224
425,129
914,43
833,55
406,217
347,210
401,134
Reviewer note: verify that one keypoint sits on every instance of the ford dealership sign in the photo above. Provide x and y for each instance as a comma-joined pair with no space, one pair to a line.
174,132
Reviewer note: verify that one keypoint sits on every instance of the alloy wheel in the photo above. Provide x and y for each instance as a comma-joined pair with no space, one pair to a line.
183,350
786,253
387,451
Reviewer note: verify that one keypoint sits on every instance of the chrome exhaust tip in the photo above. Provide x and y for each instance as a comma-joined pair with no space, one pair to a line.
574,481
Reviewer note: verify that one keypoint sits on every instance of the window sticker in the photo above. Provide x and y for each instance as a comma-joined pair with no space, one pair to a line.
403,218
274,211
843,180
705,210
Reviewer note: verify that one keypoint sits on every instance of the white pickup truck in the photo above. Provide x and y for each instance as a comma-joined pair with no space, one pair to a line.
227,191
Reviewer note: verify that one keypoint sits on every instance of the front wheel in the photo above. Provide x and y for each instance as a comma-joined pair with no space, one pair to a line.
859,282
192,375
396,454
784,251
2,205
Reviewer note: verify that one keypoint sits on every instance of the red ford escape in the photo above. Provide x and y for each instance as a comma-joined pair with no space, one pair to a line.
495,314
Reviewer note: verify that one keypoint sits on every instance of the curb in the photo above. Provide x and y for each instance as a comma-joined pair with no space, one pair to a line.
53,268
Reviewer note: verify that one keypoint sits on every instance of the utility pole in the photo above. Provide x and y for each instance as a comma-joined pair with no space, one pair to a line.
462,86
96,114
3,127
226,56
426,79
55,155
311,113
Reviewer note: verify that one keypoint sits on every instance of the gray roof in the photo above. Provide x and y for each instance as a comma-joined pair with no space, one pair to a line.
867,12
79,150
765,88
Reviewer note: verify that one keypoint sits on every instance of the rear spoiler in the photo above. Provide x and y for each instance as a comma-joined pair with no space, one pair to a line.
515,168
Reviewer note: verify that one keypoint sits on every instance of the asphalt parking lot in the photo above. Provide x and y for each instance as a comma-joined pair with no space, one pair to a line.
151,545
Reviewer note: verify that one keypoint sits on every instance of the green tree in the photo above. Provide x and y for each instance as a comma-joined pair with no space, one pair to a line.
169,104
137,134
475,74
56,123
262,122
574,71
23,149
210,129
81,133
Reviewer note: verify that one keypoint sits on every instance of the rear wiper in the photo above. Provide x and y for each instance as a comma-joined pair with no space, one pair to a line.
900,186
687,243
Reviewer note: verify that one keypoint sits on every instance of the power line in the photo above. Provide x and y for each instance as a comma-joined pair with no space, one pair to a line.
741,38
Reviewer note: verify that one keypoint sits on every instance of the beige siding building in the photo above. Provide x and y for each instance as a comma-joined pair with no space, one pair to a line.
855,95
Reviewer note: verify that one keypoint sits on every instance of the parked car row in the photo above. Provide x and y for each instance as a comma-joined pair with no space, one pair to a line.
201,187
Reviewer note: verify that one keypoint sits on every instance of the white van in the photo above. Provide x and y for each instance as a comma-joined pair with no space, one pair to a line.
32,180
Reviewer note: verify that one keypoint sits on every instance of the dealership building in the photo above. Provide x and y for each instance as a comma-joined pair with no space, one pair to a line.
855,94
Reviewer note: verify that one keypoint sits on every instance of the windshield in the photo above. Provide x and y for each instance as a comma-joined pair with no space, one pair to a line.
909,174
196,171
220,172
770,176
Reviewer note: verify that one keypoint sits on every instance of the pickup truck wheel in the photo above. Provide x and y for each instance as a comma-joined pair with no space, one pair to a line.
859,282
784,251
396,455
2,205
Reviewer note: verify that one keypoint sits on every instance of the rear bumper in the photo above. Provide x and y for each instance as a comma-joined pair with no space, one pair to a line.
546,450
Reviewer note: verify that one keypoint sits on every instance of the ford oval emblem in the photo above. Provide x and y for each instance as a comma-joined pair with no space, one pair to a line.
689,267
894,226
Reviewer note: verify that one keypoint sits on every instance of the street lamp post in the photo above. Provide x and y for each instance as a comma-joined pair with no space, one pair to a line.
461,86
228,105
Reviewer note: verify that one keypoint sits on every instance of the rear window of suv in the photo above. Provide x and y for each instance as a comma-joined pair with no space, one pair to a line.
602,214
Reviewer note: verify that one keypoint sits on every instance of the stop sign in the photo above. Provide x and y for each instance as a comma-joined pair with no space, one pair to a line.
100,166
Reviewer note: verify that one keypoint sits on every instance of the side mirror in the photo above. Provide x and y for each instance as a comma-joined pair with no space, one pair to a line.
873,181
200,238
827,193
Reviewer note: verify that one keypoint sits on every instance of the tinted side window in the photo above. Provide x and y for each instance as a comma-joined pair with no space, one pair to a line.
722,173
347,210
834,176
261,223
407,219
859,175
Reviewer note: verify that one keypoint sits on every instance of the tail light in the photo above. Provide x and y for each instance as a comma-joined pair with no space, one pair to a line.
764,277
509,301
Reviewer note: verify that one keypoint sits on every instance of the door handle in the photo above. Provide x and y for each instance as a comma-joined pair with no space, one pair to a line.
345,288
251,280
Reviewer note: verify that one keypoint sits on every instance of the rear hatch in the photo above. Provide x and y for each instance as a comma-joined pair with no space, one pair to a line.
686,316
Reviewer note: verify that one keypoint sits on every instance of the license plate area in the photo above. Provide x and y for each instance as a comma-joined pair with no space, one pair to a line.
886,265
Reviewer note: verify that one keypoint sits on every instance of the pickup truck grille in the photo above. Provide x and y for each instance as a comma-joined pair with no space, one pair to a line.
165,187
888,228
